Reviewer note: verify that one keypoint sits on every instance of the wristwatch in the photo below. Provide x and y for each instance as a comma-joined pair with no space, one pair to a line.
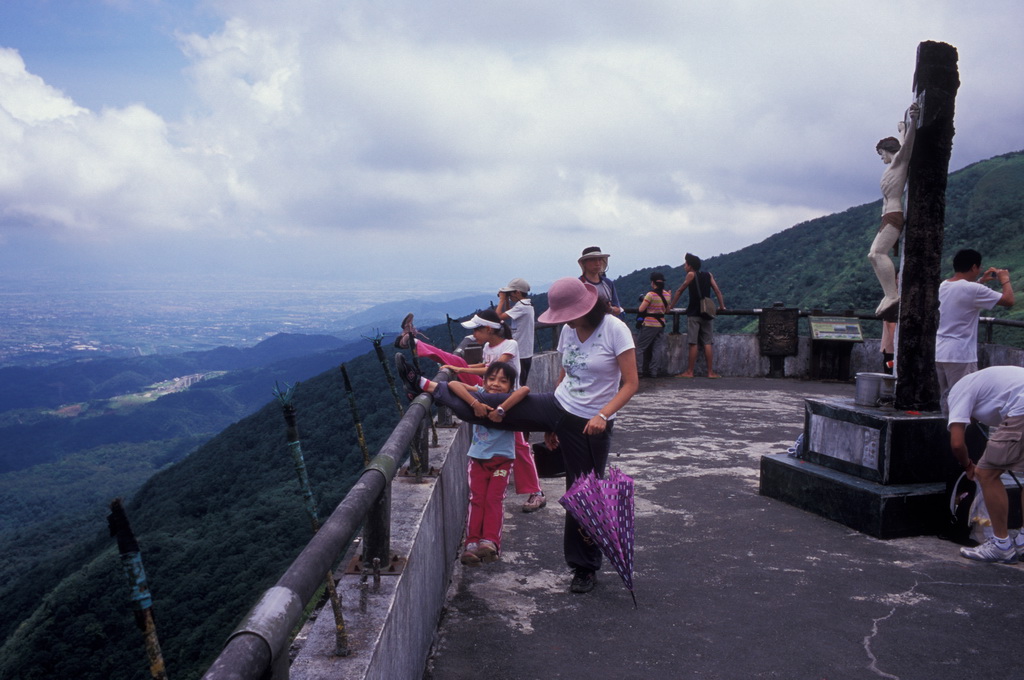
500,410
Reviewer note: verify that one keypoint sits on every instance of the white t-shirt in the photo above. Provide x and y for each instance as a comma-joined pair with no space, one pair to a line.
960,305
523,320
990,396
492,354
592,372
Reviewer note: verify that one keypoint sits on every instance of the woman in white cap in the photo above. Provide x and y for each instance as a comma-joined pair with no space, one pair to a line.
594,264
598,378
488,331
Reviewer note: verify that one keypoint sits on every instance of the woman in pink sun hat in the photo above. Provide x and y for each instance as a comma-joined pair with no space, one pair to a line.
598,378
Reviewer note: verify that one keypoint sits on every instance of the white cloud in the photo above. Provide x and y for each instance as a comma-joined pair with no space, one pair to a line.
650,128
25,97
66,168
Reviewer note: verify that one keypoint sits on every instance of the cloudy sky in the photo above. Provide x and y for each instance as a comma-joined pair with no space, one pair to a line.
459,141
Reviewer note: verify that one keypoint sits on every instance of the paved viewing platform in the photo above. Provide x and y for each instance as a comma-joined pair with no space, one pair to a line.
729,583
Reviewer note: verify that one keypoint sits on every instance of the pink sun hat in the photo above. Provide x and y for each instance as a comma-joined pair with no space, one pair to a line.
568,299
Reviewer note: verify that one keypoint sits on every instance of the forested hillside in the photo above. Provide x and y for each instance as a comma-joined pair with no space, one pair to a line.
54,468
62,471
222,524
215,529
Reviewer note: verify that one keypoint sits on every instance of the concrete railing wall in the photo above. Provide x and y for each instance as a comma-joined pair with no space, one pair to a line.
739,356
999,355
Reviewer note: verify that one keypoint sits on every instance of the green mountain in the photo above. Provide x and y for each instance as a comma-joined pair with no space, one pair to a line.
215,529
221,525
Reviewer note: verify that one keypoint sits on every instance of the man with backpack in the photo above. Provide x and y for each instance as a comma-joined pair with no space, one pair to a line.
995,397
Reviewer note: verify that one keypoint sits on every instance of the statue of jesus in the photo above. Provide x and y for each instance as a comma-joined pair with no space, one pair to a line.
895,154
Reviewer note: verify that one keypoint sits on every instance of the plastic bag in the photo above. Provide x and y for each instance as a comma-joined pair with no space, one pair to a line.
981,523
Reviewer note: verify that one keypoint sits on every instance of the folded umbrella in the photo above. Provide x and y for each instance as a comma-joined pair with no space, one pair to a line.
604,508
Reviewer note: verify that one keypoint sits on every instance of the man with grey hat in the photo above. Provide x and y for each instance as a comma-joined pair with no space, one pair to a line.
515,307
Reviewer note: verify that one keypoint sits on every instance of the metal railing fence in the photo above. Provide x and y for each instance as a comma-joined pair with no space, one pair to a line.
986,323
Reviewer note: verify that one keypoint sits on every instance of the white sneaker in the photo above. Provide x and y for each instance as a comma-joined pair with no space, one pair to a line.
990,552
1018,542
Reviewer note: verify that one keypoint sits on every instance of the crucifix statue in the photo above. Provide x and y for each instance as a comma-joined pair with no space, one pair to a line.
895,153
936,81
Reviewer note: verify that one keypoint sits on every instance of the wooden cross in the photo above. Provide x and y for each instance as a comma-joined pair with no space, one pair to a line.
936,81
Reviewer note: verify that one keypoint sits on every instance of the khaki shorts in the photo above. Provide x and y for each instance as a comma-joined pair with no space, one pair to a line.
699,330
1005,449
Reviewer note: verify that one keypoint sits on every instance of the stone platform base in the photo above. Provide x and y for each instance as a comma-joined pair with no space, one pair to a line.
878,444
879,510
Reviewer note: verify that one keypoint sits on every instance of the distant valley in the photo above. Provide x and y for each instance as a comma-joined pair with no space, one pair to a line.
56,321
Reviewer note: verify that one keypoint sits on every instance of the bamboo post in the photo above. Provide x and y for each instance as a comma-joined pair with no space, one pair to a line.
376,340
448,324
356,420
295,448
138,586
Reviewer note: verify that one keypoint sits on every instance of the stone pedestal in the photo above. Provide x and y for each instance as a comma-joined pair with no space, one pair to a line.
879,444
877,470
879,510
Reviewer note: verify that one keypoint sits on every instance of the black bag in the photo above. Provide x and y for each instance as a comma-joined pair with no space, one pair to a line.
549,461
639,321
961,498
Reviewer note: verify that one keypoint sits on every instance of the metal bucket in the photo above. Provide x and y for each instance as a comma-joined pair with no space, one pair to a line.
874,389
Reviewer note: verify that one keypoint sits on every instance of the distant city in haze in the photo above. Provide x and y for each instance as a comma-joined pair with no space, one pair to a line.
52,318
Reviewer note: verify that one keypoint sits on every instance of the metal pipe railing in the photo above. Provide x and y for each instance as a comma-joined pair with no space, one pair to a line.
258,648
677,312
988,321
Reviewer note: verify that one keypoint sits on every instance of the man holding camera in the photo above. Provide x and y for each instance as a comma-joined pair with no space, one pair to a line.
961,299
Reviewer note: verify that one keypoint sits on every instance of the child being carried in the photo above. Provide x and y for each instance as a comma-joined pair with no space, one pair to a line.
491,454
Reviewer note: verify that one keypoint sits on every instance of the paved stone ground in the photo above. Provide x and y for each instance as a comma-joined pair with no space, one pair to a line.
729,584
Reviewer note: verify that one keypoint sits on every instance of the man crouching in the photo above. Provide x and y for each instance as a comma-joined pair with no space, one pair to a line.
994,397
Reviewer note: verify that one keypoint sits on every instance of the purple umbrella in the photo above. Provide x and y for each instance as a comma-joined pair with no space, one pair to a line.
604,508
